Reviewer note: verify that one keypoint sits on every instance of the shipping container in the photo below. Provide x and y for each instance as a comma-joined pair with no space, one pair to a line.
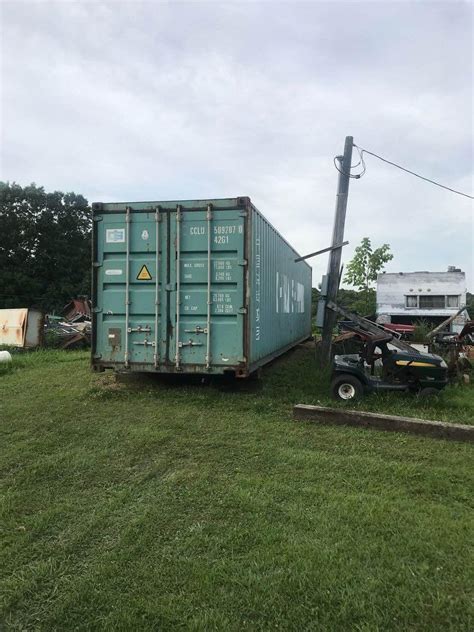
197,286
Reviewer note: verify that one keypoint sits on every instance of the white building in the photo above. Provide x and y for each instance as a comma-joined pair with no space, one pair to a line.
408,297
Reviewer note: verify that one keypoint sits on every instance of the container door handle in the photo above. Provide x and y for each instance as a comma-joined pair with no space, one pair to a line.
190,343
209,302
178,286
127,283
156,355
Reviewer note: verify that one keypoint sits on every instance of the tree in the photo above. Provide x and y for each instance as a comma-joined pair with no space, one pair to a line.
362,271
44,246
470,304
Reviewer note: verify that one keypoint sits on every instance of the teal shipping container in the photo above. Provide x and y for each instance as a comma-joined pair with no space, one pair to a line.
197,286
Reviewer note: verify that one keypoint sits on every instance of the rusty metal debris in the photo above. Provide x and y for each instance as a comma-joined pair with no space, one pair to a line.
458,349
27,328
66,335
74,330
22,327
78,310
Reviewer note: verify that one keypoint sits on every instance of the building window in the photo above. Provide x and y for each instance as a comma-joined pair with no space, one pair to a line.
411,301
452,301
432,302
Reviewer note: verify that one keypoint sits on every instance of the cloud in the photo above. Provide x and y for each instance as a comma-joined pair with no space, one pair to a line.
150,100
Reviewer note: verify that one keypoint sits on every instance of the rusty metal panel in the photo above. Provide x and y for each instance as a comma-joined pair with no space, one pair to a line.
21,327
77,309
13,326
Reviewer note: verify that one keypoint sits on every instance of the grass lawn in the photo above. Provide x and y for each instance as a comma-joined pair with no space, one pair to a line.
187,507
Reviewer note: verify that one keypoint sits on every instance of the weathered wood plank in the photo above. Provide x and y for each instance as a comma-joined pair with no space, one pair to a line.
391,423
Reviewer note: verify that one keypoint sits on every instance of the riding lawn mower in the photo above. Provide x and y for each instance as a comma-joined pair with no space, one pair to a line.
380,366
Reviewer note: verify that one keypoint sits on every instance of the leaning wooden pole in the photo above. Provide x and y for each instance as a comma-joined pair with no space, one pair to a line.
334,264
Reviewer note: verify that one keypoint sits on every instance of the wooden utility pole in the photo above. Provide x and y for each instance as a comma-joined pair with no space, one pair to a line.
334,264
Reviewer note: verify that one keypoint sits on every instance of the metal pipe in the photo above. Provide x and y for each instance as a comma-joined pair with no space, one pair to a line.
156,354
209,302
320,252
178,283
127,282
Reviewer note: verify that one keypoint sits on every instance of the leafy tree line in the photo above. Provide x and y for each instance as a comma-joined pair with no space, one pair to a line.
44,247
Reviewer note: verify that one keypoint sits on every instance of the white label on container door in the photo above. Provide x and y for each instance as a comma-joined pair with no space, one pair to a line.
115,235
145,235
113,272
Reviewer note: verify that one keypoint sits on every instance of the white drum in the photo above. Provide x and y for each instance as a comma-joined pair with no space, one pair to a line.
5,356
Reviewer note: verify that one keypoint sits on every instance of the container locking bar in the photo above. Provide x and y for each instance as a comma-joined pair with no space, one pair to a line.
190,343
209,276
156,355
196,330
127,283
178,286
146,343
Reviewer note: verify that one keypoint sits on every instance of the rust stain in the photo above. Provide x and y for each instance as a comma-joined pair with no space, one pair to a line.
13,326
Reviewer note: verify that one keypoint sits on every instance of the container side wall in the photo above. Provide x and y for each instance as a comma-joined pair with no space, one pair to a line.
280,293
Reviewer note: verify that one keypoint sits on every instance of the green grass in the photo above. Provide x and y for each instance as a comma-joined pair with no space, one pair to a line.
162,506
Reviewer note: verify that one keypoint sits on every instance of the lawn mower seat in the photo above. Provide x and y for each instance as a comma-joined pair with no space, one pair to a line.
377,341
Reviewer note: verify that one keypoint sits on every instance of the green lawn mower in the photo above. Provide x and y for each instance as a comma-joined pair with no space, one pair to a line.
380,368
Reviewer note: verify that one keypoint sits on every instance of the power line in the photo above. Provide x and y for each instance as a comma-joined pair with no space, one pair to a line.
366,151
356,176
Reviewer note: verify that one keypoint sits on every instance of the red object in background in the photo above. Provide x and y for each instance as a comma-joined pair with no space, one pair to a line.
399,329
78,309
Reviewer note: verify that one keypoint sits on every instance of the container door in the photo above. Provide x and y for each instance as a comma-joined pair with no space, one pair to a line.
207,301
129,288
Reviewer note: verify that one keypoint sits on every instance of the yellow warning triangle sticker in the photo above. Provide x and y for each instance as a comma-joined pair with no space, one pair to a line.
144,274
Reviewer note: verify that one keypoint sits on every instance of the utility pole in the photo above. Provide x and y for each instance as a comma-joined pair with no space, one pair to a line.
334,263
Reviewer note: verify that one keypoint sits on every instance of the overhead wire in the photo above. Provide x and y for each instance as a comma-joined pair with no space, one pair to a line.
362,151
356,176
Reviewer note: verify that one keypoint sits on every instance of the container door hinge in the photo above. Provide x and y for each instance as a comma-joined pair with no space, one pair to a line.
243,214
242,310
97,356
97,264
97,310
243,262
97,218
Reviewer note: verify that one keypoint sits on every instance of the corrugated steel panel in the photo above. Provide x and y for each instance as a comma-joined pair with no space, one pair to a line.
194,286
280,297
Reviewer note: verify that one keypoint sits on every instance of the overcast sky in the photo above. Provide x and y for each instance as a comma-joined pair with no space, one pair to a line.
125,101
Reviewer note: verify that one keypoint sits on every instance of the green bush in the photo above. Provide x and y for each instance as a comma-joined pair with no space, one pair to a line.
421,331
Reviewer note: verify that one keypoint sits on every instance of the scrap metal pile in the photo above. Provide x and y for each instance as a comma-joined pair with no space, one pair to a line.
73,331
458,349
